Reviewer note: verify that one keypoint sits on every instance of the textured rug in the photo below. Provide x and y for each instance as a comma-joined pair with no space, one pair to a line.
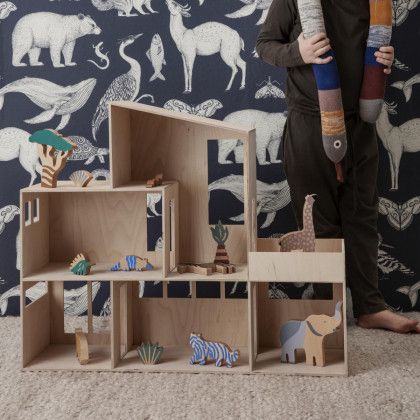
384,384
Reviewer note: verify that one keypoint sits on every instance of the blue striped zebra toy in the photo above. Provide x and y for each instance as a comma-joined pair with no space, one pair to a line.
132,263
211,350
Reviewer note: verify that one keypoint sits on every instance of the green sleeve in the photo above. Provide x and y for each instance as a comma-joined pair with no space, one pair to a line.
273,44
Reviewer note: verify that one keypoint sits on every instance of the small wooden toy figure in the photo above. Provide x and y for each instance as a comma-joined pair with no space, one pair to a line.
132,263
81,265
309,335
53,150
82,347
150,353
212,350
302,239
206,269
155,182
81,178
220,234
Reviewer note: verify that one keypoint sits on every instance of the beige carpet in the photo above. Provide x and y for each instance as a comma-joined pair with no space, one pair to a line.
384,384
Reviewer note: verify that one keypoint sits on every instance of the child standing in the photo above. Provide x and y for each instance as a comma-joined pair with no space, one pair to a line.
348,209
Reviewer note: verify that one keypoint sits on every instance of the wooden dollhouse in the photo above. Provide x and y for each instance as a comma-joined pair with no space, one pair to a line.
108,221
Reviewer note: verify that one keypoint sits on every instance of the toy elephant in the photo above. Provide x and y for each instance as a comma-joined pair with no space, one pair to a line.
309,335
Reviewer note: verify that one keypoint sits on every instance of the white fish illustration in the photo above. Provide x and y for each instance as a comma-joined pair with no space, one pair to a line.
15,144
6,7
7,214
156,55
54,99
75,300
412,292
206,109
407,86
102,56
270,197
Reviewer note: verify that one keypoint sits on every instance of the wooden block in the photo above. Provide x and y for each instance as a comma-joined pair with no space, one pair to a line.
201,269
155,182
82,347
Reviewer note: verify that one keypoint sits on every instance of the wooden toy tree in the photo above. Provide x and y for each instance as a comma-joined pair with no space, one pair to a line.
53,150
220,234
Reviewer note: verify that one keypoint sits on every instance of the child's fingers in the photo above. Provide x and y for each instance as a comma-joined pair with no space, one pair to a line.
321,44
386,56
386,49
320,60
322,50
316,38
387,70
385,62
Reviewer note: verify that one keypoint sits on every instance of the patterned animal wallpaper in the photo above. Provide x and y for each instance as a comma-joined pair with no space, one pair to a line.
62,60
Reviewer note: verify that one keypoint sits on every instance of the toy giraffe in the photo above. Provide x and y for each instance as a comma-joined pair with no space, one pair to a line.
302,239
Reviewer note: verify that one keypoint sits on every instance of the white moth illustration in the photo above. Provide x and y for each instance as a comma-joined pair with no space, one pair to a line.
269,90
124,7
397,139
269,129
205,109
54,99
270,197
75,300
59,33
401,10
15,144
204,40
102,56
399,216
412,292
86,151
6,7
123,88
250,7
156,55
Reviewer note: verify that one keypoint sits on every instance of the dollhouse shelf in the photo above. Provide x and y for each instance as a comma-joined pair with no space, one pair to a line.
108,220
101,272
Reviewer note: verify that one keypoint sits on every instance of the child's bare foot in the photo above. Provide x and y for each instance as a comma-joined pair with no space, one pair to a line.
389,321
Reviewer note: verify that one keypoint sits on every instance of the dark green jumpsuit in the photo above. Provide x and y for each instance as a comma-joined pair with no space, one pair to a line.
350,209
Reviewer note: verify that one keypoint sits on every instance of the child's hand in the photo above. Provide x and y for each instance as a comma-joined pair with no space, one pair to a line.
311,49
385,56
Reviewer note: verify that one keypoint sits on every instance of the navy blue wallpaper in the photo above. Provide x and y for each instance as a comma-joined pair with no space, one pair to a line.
132,54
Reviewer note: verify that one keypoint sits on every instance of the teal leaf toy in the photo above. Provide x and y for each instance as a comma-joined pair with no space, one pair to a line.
80,265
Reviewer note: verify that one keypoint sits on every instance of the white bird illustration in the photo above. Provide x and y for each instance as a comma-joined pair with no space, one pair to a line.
123,88
387,263
411,291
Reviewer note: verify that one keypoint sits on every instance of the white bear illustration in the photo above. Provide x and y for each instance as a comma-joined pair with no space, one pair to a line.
50,30
269,129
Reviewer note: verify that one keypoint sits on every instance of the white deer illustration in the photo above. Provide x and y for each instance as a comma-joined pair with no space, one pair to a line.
206,39
396,140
